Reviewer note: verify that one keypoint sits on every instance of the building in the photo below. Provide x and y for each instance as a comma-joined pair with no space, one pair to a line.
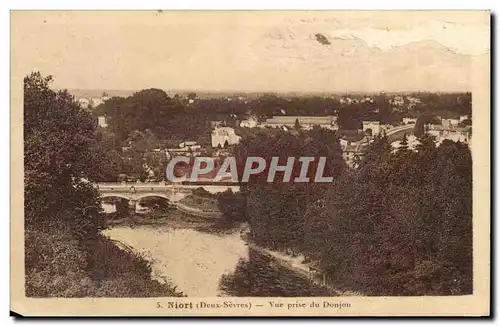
223,136
373,126
306,122
407,121
448,123
413,99
95,102
101,121
441,132
397,100
187,144
186,151
249,123
463,117
216,123
352,152
411,140
149,172
84,102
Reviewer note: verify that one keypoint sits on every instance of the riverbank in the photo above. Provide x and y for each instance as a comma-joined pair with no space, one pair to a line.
58,265
297,265
264,276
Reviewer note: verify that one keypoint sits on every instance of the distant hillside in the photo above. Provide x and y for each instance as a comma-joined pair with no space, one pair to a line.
95,93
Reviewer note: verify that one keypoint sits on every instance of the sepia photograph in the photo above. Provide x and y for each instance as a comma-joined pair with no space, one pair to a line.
250,162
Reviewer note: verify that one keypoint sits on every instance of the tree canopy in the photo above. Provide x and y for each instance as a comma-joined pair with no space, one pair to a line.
60,157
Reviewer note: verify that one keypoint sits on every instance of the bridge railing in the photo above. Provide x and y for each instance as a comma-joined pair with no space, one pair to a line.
131,184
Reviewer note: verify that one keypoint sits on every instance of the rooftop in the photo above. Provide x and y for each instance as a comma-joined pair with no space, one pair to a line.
302,119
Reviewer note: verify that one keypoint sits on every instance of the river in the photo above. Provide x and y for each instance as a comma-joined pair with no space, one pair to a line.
204,263
195,261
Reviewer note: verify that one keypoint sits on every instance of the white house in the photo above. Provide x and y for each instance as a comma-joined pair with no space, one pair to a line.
187,144
249,123
224,135
101,121
398,100
84,102
442,132
448,123
407,121
412,141
353,152
374,126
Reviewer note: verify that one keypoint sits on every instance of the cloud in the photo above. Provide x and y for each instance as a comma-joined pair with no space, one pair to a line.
470,39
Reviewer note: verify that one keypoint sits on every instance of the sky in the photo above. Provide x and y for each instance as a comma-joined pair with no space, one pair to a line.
250,51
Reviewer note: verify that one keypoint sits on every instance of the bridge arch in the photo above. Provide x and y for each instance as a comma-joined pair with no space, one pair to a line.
151,195
116,196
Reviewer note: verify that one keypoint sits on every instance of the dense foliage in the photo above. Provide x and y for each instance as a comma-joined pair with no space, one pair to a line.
276,208
60,157
65,255
401,224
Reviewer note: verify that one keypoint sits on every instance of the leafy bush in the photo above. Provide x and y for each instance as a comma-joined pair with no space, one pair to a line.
57,266
232,206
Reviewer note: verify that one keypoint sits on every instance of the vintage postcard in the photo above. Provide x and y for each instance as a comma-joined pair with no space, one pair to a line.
250,163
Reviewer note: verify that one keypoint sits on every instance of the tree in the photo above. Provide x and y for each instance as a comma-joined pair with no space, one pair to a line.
297,125
59,160
404,143
424,119
107,155
276,209
404,221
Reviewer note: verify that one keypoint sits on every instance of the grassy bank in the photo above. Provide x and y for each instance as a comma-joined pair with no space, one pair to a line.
57,265
263,276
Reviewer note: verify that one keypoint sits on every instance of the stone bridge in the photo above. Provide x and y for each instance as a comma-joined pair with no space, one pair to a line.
134,192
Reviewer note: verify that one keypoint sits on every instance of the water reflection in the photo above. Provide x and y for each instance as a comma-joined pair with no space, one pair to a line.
109,208
195,261
206,264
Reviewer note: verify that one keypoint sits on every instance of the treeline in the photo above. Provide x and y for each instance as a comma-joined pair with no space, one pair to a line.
133,161
65,253
400,224
175,119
